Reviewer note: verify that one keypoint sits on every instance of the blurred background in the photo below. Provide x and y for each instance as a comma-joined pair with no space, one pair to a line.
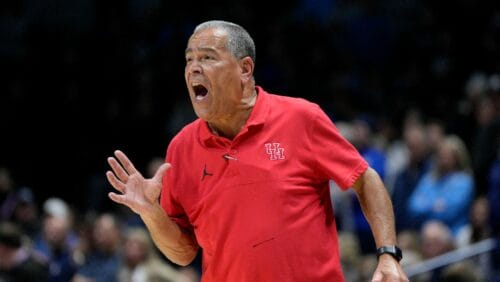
400,78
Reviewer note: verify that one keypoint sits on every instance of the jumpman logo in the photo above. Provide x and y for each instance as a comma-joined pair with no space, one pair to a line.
206,173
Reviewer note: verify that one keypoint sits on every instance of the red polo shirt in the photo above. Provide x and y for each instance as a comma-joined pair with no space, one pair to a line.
259,204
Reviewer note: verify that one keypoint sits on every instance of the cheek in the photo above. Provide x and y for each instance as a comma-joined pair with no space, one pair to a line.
227,77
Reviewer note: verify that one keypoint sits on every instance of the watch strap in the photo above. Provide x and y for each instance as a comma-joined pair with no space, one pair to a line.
394,251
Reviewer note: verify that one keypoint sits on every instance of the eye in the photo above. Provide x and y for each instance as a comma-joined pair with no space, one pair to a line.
207,57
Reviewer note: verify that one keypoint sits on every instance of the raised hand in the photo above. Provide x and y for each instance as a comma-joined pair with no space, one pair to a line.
136,192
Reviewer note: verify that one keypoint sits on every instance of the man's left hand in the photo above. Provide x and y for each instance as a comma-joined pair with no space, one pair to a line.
388,269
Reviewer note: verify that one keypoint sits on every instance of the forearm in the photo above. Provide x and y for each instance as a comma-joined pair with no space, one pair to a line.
377,207
177,245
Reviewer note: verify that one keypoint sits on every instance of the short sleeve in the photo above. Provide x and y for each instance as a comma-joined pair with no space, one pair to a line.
335,158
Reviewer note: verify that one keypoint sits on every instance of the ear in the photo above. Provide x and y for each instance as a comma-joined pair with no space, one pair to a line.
247,67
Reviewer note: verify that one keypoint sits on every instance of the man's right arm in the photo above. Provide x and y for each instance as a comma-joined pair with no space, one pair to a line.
142,195
178,245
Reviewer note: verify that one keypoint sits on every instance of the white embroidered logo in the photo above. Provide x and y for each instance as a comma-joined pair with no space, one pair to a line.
274,151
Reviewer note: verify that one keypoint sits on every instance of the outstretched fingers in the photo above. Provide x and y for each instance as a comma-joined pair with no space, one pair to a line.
126,163
118,169
120,199
115,182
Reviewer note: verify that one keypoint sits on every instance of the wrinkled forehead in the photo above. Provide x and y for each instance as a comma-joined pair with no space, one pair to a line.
210,38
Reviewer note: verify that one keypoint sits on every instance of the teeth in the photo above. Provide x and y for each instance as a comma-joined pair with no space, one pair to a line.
195,84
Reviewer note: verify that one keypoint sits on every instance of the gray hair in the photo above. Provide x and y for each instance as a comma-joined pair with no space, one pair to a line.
239,42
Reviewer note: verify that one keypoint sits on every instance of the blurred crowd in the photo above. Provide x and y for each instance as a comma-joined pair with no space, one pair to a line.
444,197
414,85
54,243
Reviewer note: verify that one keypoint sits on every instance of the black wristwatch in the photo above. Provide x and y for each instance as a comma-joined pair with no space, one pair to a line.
394,251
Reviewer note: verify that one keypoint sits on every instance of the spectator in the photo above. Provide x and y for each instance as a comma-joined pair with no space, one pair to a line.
25,213
436,239
18,262
57,241
364,127
408,241
407,180
484,145
461,272
7,194
436,133
101,265
141,262
478,228
446,192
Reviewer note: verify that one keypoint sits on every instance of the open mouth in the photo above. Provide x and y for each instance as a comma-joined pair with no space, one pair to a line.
200,91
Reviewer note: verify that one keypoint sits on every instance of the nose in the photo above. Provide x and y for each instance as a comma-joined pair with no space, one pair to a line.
194,67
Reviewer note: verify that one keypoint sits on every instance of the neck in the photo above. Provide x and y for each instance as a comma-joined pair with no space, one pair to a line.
230,127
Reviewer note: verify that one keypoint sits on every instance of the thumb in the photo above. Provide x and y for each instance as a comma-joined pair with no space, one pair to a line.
161,171
377,277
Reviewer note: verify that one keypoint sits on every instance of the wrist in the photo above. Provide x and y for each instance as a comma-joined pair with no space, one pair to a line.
390,250
154,213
